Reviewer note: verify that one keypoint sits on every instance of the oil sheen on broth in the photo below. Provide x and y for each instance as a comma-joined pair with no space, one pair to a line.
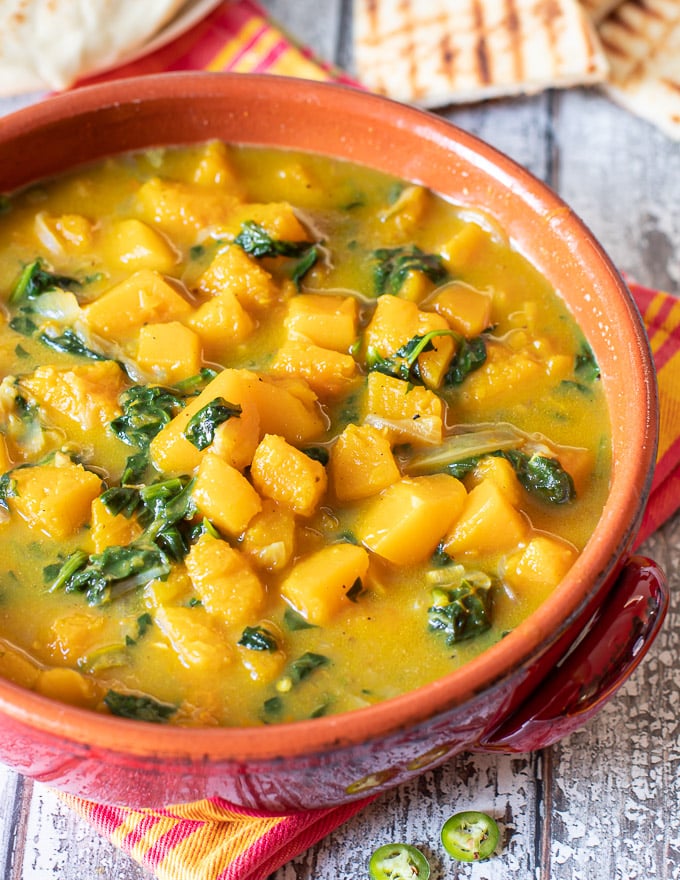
281,436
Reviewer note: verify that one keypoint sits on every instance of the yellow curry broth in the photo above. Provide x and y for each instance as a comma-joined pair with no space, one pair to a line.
323,508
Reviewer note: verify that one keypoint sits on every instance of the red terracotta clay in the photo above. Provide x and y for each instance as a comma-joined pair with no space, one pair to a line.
338,758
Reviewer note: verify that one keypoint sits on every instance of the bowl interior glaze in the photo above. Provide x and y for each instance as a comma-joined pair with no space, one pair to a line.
88,124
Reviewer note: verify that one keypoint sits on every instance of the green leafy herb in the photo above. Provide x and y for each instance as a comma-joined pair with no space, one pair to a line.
393,265
256,241
307,262
295,621
139,708
69,342
461,612
135,469
124,500
20,351
469,356
36,279
404,363
542,476
193,385
272,706
317,453
258,638
585,365
200,431
146,410
303,667
23,323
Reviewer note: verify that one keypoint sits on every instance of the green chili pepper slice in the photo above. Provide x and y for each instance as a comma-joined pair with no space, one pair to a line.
398,861
470,836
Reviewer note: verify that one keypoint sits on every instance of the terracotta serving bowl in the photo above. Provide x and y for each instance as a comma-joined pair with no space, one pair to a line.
525,692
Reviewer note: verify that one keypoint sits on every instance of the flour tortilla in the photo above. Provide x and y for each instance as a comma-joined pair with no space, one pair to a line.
437,52
642,42
599,9
48,44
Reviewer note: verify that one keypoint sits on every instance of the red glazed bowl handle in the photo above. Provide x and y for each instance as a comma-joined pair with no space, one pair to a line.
615,641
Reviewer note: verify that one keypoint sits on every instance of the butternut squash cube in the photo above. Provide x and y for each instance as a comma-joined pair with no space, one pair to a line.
233,271
195,638
465,248
67,686
215,168
221,323
540,565
403,217
467,310
330,374
263,666
505,373
235,440
54,499
318,584
361,463
170,352
409,414
5,460
85,394
288,407
501,472
107,530
17,666
488,524
64,234
224,496
182,209
143,298
327,321
135,245
281,472
276,218
408,520
269,540
224,581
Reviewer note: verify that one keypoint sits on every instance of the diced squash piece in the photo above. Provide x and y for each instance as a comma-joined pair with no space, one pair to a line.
361,463
214,167
55,499
505,373
285,474
488,524
396,321
143,298
318,584
288,407
221,323
233,271
407,521
269,540
499,471
107,530
579,463
86,394
195,638
5,460
135,245
74,635
182,209
276,218
224,581
540,565
327,321
224,496
235,440
403,216
67,686
465,248
17,667
263,666
64,234
466,309
176,589
409,414
330,374
170,352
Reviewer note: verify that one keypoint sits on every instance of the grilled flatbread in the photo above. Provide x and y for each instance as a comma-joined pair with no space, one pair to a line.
436,52
48,44
599,9
642,42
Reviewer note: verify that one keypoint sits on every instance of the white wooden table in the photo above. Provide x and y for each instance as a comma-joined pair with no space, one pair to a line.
605,803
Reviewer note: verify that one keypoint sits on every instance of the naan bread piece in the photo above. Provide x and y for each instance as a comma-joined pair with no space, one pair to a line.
599,9
48,44
444,51
642,42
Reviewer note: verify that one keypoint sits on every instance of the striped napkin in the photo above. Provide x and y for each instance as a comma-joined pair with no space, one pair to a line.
210,839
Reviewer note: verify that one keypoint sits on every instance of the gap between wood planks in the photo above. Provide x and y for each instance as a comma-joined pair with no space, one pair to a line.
14,857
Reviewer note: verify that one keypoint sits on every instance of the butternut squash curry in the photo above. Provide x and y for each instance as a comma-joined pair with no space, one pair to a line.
280,436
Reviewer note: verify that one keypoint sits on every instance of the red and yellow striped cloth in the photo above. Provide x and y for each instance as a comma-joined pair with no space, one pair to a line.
209,839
